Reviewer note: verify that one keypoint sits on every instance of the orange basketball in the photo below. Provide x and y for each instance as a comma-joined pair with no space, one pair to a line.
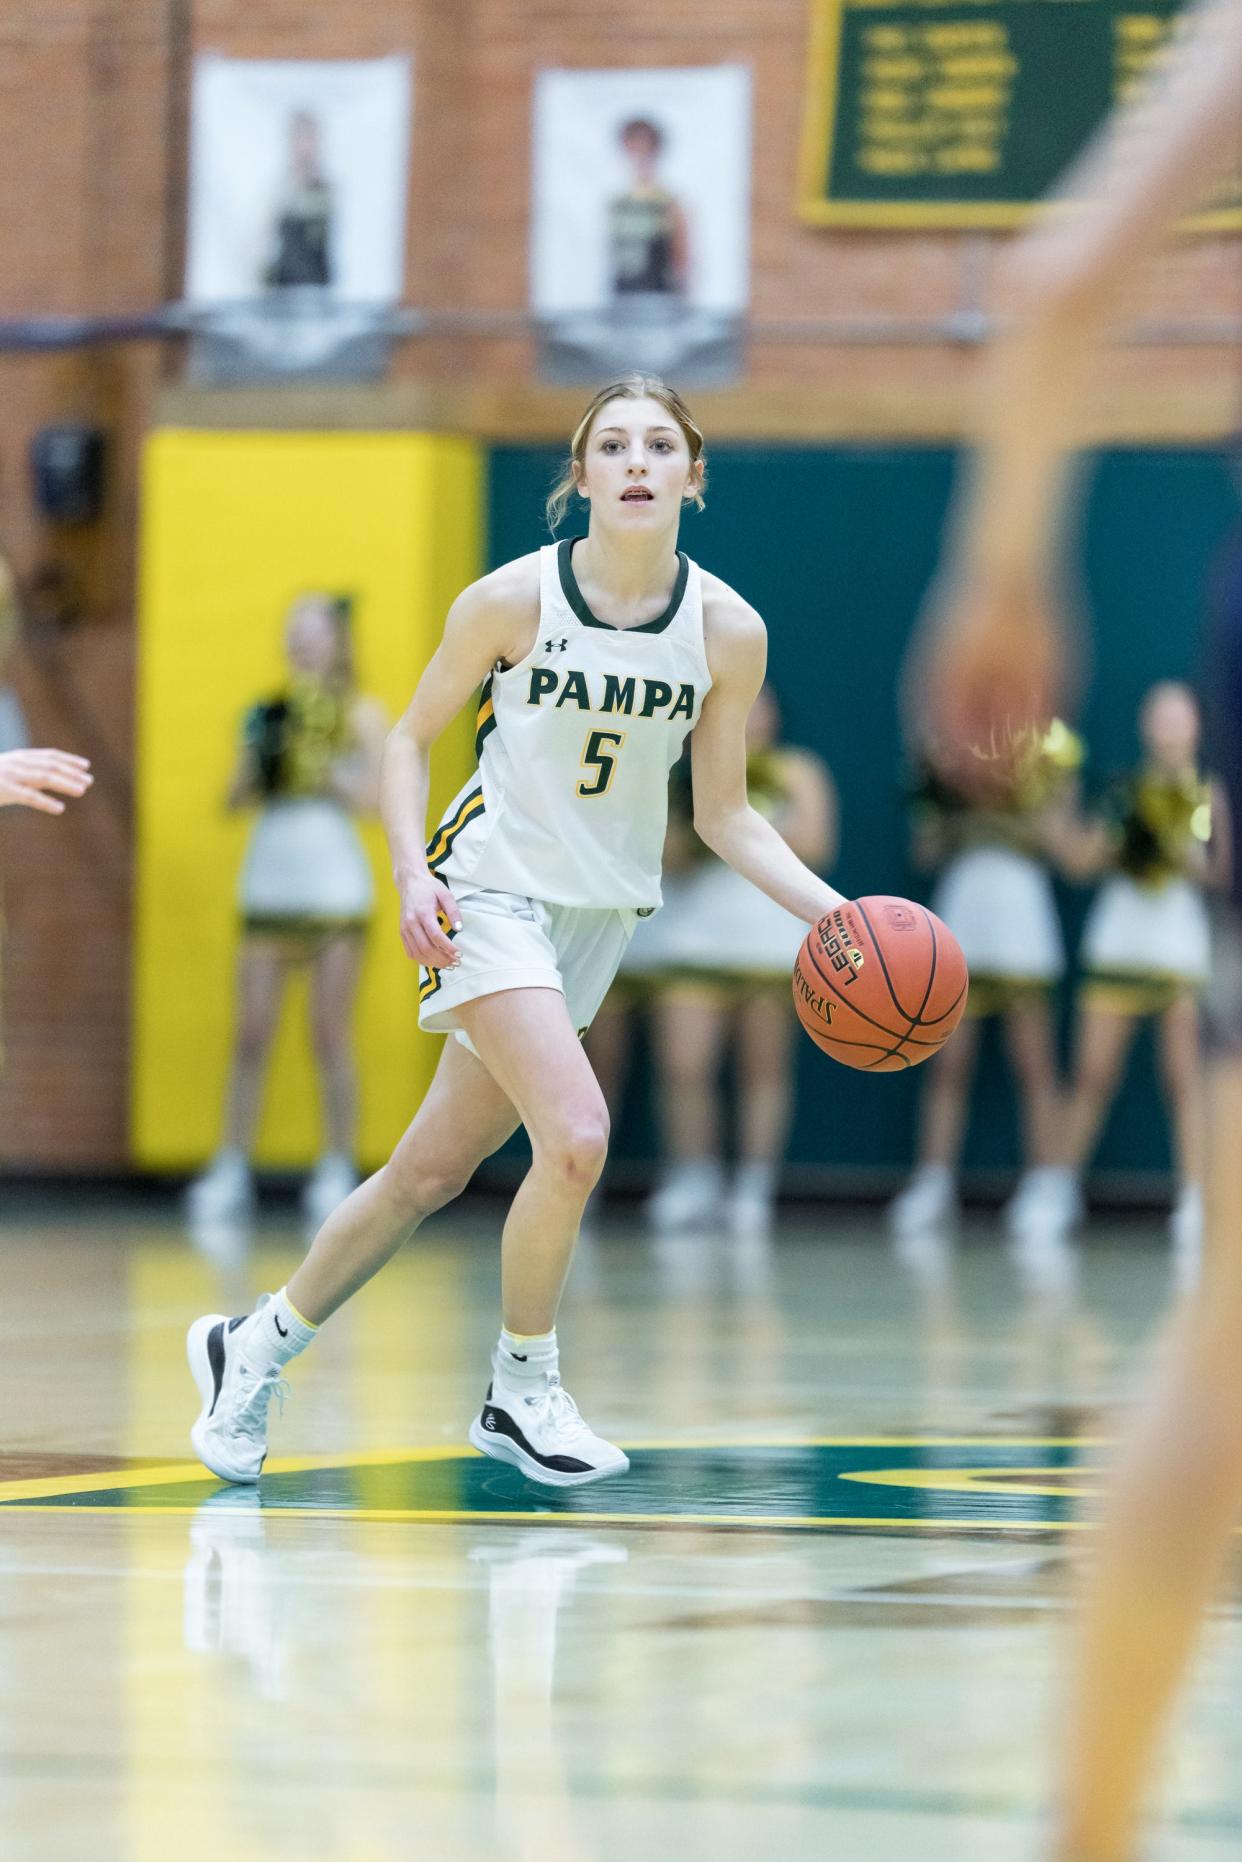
880,984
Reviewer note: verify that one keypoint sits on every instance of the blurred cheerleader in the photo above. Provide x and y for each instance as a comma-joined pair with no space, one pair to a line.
995,894
310,760
728,951
1145,952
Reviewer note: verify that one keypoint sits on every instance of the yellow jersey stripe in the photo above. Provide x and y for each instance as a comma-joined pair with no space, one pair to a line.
439,845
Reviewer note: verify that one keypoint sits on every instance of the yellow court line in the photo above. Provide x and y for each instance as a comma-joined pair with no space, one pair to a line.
750,1522
984,1480
173,1474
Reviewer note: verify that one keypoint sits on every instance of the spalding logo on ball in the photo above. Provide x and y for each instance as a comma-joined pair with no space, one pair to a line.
880,983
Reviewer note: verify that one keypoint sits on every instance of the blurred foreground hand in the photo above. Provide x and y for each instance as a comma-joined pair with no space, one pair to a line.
35,778
988,670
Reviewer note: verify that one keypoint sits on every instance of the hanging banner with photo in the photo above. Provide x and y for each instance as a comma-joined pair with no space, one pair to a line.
640,223
296,245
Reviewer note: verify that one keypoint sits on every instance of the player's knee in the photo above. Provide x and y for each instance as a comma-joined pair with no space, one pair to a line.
419,1185
577,1151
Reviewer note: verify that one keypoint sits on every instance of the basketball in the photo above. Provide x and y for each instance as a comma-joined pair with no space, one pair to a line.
880,984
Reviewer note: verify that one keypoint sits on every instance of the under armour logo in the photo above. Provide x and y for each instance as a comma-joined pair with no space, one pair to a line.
556,646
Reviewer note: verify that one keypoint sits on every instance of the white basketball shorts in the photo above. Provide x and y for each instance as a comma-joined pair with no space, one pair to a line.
508,942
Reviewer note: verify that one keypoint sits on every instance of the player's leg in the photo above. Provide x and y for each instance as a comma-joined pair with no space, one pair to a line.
224,1191
1165,1536
236,1363
765,1065
335,969
529,1044
463,1119
689,1026
1181,1066
928,1201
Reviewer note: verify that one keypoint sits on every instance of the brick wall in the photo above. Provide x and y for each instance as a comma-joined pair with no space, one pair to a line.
88,90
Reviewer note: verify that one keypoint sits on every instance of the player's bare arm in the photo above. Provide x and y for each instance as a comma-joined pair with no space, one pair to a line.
38,778
493,620
994,646
724,820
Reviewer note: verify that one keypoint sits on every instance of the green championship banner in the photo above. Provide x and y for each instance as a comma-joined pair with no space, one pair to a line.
963,113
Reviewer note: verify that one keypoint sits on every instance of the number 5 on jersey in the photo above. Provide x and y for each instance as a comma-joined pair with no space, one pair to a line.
600,755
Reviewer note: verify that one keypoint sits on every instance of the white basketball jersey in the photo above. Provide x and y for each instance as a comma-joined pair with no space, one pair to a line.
575,743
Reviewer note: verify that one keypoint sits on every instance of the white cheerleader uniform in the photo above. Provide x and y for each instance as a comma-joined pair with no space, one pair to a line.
1150,934
552,849
305,875
305,869
728,930
1146,940
999,905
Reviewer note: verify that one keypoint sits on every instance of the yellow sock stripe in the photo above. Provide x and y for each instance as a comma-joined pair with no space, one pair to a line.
449,830
297,1315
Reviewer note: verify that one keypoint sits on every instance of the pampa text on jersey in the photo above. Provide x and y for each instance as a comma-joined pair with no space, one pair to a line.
632,697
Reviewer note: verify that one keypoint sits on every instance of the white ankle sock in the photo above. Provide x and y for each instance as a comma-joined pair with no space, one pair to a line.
521,1363
276,1333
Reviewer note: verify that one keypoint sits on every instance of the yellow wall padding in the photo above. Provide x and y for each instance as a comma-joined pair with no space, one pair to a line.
234,525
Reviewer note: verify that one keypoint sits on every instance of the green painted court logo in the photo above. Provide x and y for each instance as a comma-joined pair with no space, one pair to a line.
820,1485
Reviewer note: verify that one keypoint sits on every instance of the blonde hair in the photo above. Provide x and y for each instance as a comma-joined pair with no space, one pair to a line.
628,388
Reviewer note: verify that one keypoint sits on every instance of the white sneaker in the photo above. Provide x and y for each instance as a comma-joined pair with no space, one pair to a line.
689,1197
332,1180
230,1436
1046,1261
1047,1202
544,1436
224,1192
1186,1234
928,1203
750,1214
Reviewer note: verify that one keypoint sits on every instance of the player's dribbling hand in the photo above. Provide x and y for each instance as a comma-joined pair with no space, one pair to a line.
989,664
429,912
35,778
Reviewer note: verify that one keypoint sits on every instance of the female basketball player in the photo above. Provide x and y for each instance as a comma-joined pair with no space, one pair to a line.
1145,952
596,656
310,759
996,659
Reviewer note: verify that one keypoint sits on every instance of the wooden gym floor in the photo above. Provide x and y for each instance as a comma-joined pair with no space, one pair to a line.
819,1618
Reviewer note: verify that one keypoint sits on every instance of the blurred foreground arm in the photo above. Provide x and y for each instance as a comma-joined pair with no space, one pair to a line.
992,653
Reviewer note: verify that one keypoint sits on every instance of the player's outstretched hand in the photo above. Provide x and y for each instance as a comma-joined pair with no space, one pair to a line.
989,663
429,912
36,778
